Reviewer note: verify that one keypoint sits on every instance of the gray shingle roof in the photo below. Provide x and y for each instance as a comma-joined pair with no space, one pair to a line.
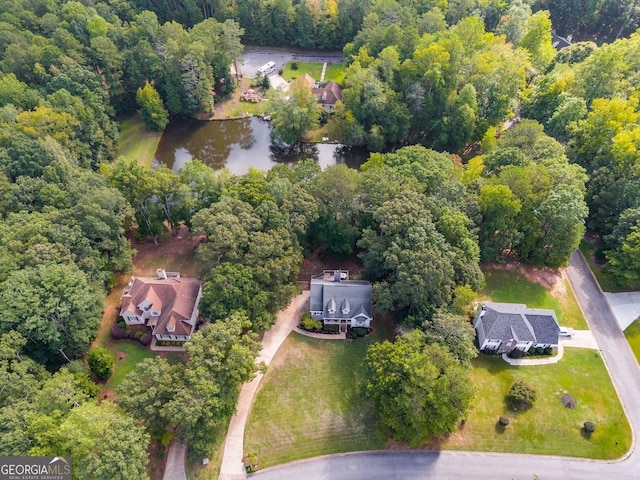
352,295
514,321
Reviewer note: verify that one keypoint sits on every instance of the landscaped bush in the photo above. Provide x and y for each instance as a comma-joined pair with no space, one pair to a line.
548,350
538,350
516,354
100,362
521,395
294,65
145,340
117,333
331,328
589,427
128,333
122,324
307,322
357,332
139,334
503,421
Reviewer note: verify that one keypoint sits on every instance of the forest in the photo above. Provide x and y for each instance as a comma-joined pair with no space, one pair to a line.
487,145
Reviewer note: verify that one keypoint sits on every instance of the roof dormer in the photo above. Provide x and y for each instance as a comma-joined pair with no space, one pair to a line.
331,306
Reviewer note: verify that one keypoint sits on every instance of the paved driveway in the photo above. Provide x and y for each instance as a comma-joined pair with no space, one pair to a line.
175,462
580,338
624,372
254,58
625,307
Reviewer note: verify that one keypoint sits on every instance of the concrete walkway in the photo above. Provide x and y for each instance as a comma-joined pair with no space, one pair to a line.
522,362
232,467
625,307
323,336
175,462
580,339
324,69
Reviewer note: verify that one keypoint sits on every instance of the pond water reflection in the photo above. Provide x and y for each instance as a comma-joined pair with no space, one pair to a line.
240,144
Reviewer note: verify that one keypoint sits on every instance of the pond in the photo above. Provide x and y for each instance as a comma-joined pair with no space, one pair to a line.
240,144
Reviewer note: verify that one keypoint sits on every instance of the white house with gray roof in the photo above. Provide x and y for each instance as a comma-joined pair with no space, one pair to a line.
336,300
504,327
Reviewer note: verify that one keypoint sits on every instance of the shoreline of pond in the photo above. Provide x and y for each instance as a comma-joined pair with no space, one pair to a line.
242,143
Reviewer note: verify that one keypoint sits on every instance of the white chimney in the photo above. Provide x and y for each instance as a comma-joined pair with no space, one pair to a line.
161,273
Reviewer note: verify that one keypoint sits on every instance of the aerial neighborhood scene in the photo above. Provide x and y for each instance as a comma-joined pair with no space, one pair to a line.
319,239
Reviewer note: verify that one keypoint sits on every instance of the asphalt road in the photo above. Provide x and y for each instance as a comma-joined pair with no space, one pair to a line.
624,372
254,58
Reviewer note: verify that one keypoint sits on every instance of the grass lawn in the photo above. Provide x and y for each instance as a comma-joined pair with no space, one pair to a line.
633,337
309,403
136,141
511,286
232,107
334,72
128,354
195,469
548,427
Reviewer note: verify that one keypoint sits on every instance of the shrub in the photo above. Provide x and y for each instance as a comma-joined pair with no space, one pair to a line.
516,353
117,333
548,350
307,322
538,350
503,421
521,394
294,65
122,324
359,331
100,362
146,340
139,334
589,427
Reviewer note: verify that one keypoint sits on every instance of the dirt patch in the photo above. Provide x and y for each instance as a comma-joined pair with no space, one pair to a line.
157,456
321,260
173,253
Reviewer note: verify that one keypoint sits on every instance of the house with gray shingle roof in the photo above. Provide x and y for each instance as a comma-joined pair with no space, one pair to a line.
336,300
504,327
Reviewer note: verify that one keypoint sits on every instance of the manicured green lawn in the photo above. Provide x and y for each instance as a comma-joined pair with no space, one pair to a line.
334,72
128,354
136,142
309,402
548,427
633,337
510,286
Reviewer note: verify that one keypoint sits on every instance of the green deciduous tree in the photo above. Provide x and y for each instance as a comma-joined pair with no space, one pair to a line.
100,362
294,113
54,307
104,442
152,111
419,390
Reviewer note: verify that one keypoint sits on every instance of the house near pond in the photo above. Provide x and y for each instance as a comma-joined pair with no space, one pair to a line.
167,304
328,95
504,327
336,300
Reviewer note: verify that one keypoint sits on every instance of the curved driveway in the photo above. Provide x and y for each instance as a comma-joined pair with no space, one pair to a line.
624,372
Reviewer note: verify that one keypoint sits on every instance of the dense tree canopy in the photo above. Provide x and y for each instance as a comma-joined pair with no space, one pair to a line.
418,389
